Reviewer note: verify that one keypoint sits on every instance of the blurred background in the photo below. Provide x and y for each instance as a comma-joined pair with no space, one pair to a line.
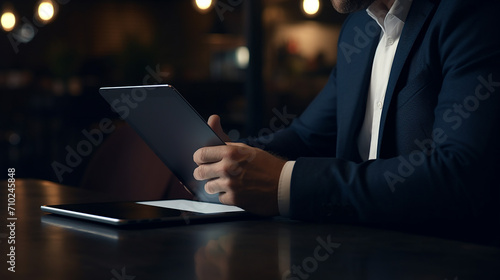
244,60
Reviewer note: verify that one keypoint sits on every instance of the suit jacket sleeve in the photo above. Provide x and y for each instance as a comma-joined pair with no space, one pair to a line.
313,134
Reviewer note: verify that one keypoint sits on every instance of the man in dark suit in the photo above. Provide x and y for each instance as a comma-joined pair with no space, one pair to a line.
405,131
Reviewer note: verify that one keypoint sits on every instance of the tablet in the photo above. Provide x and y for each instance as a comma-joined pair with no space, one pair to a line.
174,131
169,125
161,211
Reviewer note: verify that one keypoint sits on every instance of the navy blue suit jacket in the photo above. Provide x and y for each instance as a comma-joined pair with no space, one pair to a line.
439,138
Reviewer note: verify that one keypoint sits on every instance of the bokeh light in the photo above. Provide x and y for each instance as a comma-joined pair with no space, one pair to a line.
46,10
203,4
8,21
242,57
310,7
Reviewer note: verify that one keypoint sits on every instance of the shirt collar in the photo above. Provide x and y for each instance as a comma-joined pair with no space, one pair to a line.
398,11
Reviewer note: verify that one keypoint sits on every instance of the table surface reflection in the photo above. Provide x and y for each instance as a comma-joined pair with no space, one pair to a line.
52,247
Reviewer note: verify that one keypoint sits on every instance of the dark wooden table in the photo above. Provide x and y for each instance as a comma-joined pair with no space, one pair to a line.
50,247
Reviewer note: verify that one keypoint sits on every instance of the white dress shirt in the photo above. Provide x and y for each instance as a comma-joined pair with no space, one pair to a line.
391,22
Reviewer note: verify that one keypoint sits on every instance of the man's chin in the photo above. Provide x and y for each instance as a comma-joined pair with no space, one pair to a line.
350,6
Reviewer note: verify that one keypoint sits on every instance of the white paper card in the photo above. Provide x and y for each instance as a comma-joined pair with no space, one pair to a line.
193,206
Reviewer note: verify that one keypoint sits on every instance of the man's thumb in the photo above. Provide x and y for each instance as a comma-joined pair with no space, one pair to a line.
214,123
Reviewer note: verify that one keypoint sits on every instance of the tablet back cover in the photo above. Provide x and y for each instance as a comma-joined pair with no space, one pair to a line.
169,125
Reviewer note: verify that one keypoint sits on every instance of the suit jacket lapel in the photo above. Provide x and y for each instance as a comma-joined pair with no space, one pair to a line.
353,82
418,15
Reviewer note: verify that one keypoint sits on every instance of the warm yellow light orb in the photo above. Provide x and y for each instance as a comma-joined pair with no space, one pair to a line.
203,4
46,11
310,7
242,57
8,21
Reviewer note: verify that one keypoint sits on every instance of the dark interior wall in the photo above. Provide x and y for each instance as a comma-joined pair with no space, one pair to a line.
49,85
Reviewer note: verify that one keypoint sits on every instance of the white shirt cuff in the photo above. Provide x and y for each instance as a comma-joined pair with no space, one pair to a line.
284,188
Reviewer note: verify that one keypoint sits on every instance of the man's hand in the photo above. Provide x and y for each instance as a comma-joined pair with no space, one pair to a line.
242,175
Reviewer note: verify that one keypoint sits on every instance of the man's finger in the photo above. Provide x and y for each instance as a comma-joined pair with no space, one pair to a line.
227,198
214,123
208,155
205,172
215,186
